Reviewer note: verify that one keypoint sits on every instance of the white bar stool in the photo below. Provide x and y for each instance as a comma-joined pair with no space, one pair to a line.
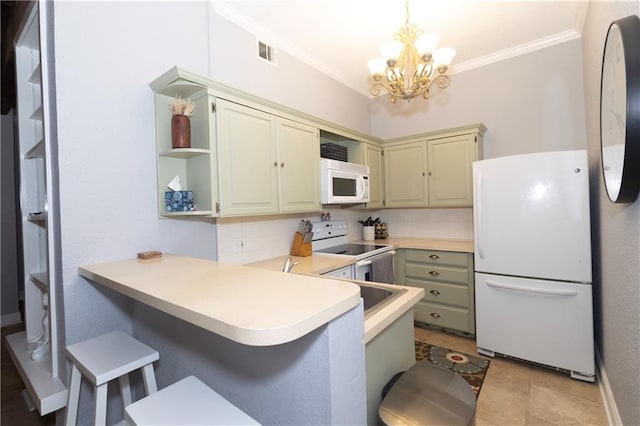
102,359
186,402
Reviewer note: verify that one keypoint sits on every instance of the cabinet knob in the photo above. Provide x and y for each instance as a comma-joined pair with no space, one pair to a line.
434,292
423,174
275,164
434,273
434,256
435,314
281,164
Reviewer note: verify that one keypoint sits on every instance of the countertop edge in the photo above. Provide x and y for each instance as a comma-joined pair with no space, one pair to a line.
243,335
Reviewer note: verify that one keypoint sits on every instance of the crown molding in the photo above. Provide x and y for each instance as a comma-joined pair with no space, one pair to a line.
515,51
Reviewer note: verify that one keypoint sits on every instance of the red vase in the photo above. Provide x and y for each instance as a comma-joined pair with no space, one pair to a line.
180,131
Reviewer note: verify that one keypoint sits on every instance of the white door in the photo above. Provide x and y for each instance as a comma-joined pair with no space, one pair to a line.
542,321
531,216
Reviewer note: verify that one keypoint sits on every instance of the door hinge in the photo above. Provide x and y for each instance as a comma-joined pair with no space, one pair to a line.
475,139
213,107
217,207
382,152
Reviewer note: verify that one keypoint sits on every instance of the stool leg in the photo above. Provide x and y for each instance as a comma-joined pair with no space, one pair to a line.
125,390
149,379
71,412
100,404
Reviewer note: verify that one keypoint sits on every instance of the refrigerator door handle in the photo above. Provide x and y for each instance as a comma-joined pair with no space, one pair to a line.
528,289
479,213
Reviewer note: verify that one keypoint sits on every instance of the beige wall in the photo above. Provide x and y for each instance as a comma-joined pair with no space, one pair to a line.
529,103
616,236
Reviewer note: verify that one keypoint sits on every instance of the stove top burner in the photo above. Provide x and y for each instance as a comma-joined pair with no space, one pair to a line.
351,249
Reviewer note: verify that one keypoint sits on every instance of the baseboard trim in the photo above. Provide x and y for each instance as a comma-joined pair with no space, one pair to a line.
10,319
610,407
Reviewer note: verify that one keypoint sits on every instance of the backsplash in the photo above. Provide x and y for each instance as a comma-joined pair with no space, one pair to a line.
250,239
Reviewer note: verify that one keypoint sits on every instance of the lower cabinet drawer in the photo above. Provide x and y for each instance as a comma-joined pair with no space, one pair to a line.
442,316
436,272
449,294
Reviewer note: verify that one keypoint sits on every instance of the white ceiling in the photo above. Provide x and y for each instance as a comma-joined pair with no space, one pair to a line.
337,37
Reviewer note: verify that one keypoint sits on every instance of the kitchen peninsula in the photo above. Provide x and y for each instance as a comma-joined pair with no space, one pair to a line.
286,349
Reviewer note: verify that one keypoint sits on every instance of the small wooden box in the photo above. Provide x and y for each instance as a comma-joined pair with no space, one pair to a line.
298,248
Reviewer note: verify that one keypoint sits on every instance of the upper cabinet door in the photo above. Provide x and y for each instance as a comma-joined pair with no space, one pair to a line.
450,172
298,167
405,175
373,158
247,160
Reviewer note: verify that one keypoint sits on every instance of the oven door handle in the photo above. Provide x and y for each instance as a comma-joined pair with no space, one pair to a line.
369,261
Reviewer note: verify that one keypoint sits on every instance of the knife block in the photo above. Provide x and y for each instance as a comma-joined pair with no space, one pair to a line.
298,248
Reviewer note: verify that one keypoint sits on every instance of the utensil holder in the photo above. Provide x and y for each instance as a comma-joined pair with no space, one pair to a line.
298,248
368,233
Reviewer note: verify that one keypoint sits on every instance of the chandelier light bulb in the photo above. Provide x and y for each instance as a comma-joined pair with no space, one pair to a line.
391,50
426,43
376,66
443,56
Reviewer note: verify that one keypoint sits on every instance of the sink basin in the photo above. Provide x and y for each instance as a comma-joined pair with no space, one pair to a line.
376,298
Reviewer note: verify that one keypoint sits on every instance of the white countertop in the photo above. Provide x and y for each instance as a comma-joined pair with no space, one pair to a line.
241,303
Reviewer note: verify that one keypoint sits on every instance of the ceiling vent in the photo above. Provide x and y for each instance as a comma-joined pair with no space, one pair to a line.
267,53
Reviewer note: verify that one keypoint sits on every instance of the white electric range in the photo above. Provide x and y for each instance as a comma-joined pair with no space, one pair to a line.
373,262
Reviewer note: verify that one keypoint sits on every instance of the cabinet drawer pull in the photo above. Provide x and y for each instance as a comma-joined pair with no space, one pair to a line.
435,315
434,256
434,273
434,292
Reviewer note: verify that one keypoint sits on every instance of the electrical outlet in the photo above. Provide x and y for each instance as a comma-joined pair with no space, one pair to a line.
238,245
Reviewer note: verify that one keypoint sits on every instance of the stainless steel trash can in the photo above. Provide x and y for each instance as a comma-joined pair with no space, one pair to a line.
428,395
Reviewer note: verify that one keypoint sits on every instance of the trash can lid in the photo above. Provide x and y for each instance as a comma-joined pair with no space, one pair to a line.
428,394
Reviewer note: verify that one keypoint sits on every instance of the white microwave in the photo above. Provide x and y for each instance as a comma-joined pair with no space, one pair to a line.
344,183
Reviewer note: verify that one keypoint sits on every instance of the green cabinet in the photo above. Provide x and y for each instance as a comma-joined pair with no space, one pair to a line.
432,170
267,164
405,180
448,282
374,159
450,173
242,161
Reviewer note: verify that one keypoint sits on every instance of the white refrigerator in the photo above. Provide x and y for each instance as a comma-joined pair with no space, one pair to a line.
532,242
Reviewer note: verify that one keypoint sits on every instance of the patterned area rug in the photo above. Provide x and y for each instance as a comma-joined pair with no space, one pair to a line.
470,367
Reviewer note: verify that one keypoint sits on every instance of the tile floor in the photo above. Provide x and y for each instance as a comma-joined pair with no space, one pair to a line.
516,393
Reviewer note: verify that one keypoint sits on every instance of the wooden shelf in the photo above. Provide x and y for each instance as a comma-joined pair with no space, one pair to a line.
47,392
184,153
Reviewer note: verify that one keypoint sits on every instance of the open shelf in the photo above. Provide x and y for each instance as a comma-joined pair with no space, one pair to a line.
36,76
47,391
38,114
184,153
196,213
41,279
37,151
35,217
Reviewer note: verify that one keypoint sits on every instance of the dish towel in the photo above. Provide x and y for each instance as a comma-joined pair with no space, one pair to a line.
382,269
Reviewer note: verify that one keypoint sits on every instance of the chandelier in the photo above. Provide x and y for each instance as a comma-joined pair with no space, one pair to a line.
410,64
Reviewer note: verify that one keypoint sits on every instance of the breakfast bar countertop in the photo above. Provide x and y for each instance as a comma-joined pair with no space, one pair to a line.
241,303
